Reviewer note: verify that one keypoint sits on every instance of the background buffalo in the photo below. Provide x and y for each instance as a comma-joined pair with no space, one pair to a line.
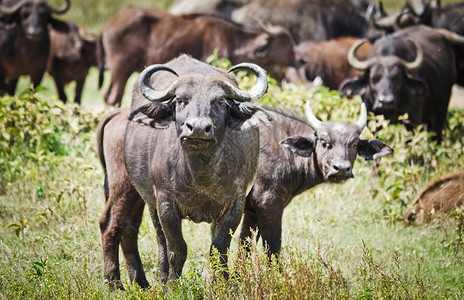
25,40
137,37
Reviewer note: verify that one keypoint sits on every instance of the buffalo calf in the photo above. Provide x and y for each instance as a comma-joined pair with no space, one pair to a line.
296,156
72,53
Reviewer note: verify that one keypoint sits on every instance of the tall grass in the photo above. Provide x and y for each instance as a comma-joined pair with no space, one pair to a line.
345,241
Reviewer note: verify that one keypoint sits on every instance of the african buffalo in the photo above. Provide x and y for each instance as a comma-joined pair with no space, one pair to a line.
296,156
441,196
417,12
137,37
326,59
25,40
410,71
188,150
306,19
72,53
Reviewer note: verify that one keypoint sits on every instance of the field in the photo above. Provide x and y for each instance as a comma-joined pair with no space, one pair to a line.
340,241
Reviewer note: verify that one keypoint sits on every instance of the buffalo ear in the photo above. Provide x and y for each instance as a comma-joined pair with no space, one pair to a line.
156,115
354,86
59,25
373,149
299,145
242,111
261,46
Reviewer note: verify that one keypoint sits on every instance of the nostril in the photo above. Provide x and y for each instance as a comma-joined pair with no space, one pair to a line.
336,168
208,128
189,126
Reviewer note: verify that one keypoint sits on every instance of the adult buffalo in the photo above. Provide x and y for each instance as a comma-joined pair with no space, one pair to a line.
411,71
326,59
72,53
306,19
25,40
416,12
137,37
189,151
296,156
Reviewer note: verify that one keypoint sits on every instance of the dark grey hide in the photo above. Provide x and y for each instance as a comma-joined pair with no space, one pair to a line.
411,71
295,157
191,152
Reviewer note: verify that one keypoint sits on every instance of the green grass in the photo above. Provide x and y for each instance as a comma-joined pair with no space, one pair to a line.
345,241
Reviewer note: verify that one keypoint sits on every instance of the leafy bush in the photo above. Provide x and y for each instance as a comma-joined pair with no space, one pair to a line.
34,130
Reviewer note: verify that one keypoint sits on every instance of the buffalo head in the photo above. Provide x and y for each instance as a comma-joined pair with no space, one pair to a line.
202,105
275,48
335,145
388,81
33,15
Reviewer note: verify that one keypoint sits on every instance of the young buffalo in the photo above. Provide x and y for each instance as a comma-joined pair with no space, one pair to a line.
294,157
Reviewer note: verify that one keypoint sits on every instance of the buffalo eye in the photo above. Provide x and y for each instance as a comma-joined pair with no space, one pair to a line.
376,79
326,145
220,101
180,100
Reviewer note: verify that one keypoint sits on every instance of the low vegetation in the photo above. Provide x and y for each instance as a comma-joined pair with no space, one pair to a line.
346,241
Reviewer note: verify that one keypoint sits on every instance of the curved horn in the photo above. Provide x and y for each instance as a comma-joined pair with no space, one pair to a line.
61,10
402,13
257,91
414,65
352,60
312,120
418,6
147,89
361,123
451,36
11,10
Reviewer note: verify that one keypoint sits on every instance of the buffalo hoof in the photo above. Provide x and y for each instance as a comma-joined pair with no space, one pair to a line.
115,285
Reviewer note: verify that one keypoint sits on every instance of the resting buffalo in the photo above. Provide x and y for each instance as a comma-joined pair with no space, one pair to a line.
306,19
25,40
441,196
326,59
137,37
410,71
189,151
72,53
296,156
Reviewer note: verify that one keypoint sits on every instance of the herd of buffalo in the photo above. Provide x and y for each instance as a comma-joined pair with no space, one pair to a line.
193,145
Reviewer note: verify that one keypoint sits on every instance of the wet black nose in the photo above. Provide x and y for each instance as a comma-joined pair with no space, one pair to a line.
342,168
199,128
386,99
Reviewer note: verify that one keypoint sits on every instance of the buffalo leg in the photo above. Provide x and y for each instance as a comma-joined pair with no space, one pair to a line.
11,86
113,222
163,263
79,88
270,229
221,230
129,245
249,224
170,221
60,89
115,92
